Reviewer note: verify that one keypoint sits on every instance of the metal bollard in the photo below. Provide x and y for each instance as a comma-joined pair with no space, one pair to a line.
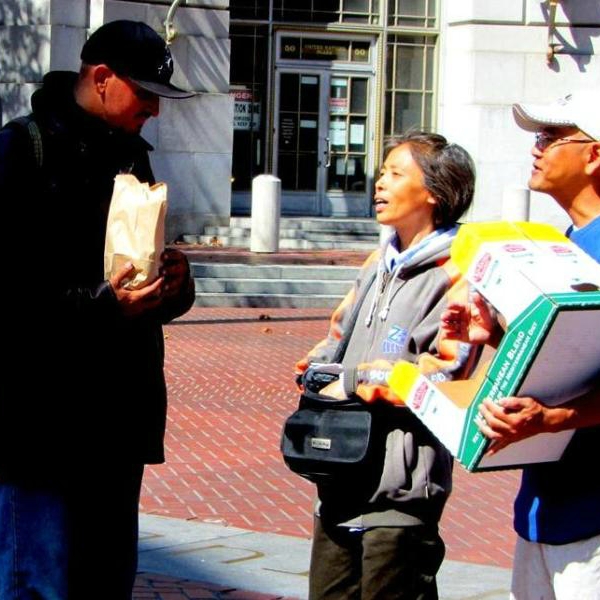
515,204
266,206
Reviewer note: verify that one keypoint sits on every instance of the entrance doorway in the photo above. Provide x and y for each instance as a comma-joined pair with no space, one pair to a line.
322,142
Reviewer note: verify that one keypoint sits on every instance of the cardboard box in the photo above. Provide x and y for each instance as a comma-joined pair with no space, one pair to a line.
548,291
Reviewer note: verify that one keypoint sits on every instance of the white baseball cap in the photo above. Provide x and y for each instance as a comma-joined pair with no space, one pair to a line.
580,109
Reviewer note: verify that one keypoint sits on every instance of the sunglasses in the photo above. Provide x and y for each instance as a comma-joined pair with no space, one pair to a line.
544,140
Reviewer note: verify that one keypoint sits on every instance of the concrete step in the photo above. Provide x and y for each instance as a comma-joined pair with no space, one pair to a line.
318,235
324,236
266,285
267,300
333,244
266,271
278,285
271,286
296,233
286,244
369,225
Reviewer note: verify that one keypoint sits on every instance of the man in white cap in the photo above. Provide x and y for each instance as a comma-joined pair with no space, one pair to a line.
557,509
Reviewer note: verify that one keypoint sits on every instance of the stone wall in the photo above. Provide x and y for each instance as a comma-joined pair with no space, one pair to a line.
192,138
494,54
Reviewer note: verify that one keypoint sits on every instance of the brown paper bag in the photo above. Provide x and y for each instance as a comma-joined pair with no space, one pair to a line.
135,230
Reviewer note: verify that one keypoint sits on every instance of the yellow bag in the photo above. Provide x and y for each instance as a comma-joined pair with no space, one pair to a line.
135,230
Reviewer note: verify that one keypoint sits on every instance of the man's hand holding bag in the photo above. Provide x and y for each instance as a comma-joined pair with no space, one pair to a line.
135,230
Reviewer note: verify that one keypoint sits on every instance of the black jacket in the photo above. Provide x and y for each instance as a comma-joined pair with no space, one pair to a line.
95,387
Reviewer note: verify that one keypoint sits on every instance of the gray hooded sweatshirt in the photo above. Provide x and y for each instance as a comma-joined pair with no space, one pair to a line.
399,308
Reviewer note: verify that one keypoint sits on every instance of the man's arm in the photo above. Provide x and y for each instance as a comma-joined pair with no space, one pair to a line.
517,418
514,418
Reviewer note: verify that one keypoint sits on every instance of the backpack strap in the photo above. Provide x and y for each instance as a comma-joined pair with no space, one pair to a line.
35,135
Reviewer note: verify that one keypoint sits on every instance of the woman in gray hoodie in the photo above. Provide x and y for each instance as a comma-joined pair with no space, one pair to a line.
379,539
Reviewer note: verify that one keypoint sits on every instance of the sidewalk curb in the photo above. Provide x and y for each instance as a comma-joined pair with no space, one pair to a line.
274,564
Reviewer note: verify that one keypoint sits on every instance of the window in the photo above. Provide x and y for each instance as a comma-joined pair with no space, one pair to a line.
249,9
248,89
409,83
348,106
412,13
327,11
298,131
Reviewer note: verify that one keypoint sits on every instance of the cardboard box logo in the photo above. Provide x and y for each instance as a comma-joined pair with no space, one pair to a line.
481,267
419,396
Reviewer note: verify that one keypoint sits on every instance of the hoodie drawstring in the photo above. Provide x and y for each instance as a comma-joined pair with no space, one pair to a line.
404,259
385,311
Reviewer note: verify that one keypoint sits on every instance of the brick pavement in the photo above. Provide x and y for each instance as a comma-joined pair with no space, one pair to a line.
230,380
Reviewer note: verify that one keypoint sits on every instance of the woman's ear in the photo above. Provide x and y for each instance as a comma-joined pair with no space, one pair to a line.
436,210
592,167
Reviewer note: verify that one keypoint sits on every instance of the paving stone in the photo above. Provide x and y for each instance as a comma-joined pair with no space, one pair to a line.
231,386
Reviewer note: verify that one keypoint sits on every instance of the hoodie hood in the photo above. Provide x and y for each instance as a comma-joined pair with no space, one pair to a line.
395,264
56,93
54,103
431,250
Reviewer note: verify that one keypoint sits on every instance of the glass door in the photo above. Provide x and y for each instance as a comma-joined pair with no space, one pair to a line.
298,142
322,140
346,168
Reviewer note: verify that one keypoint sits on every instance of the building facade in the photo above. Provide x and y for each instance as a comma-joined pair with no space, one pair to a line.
328,82
192,138
312,90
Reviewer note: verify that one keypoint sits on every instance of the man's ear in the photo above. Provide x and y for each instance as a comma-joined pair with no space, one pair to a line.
592,166
101,74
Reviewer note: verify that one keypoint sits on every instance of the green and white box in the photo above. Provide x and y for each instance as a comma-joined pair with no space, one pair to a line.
548,291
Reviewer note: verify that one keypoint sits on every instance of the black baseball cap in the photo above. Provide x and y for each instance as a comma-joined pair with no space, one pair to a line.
134,50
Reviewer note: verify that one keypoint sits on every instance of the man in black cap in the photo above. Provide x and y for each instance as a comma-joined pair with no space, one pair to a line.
77,430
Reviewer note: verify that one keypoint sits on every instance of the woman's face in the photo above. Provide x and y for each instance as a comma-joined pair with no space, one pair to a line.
401,198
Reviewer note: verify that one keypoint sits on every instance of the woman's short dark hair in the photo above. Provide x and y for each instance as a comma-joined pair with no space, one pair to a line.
448,171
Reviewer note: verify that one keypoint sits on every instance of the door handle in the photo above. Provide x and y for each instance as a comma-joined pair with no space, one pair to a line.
327,152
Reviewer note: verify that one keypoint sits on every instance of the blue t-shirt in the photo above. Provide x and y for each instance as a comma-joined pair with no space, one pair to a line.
559,502
587,238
